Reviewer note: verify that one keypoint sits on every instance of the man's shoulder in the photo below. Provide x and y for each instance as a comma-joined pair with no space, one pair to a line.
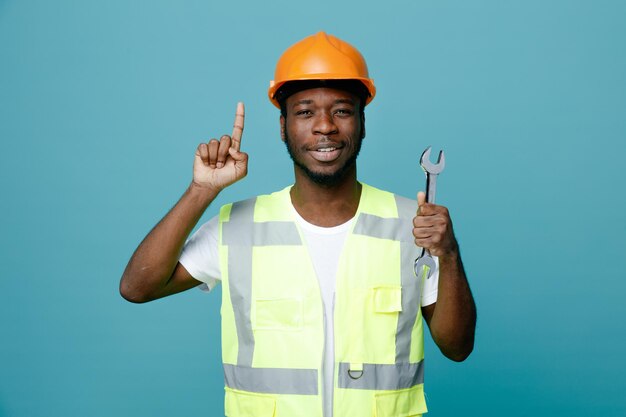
274,194
382,197
257,204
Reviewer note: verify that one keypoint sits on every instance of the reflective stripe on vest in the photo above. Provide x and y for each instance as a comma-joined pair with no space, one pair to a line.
271,380
382,377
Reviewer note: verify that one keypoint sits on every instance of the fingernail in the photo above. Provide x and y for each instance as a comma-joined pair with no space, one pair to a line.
219,165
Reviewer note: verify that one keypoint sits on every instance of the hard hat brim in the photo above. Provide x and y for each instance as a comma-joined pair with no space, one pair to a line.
275,86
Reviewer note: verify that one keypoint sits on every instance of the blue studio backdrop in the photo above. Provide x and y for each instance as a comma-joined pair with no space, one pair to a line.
102,105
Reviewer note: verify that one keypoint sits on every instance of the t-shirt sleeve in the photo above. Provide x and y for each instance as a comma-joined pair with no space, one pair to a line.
431,286
200,255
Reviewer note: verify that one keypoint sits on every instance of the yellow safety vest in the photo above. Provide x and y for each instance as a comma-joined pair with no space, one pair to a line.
273,320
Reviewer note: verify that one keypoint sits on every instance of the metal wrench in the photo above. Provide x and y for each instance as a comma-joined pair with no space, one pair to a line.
432,171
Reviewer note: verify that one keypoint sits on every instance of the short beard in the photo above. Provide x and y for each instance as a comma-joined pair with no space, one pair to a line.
327,180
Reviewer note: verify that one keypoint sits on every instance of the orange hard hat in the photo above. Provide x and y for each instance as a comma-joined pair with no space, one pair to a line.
321,57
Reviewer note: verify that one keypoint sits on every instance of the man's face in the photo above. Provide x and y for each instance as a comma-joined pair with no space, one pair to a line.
323,132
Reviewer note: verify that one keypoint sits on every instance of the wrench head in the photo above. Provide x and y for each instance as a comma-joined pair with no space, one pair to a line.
424,265
428,166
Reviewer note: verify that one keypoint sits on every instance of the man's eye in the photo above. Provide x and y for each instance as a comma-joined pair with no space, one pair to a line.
344,112
303,112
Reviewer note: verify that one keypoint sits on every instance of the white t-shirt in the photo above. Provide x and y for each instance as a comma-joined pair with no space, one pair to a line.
200,258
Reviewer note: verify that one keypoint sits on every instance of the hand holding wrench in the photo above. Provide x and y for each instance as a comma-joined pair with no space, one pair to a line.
432,171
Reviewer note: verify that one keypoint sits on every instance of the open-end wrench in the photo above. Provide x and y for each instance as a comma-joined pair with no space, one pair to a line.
432,171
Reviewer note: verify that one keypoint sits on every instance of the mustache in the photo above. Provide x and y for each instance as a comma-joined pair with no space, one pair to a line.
326,142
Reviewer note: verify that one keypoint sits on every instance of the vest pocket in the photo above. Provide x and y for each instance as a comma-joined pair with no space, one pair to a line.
403,403
387,299
278,314
245,404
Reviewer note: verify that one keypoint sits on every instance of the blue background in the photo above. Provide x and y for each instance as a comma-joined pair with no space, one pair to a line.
103,103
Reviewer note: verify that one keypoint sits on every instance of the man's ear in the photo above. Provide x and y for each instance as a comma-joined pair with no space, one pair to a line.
282,127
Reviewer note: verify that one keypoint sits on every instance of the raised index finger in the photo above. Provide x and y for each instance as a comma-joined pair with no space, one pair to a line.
238,126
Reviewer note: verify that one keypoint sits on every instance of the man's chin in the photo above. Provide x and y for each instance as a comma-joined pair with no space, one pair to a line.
326,178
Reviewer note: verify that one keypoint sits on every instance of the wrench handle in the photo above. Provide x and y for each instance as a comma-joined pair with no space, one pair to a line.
431,190
431,187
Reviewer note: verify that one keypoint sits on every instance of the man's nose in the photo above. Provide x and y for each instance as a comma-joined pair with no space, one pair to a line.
324,124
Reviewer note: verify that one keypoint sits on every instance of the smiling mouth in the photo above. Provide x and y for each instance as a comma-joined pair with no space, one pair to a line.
326,154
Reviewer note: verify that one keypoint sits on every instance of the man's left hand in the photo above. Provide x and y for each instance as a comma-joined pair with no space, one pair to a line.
432,228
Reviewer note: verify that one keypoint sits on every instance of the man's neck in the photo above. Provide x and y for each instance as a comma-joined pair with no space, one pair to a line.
326,205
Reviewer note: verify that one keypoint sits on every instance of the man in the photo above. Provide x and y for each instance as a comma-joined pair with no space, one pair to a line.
321,310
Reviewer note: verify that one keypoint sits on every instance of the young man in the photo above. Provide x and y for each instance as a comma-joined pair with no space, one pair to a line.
321,310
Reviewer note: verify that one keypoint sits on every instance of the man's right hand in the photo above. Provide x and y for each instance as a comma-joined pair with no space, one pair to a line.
154,271
218,164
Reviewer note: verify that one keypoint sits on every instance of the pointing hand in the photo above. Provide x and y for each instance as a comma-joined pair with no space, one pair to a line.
218,164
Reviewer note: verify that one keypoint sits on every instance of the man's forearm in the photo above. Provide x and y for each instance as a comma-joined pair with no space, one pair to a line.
454,318
154,260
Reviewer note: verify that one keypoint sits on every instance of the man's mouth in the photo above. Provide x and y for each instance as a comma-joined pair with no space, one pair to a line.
325,153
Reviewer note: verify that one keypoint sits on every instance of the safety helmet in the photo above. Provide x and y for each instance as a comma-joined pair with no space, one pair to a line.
321,57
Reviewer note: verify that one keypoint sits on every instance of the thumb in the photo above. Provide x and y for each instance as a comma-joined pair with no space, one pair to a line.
421,198
238,156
